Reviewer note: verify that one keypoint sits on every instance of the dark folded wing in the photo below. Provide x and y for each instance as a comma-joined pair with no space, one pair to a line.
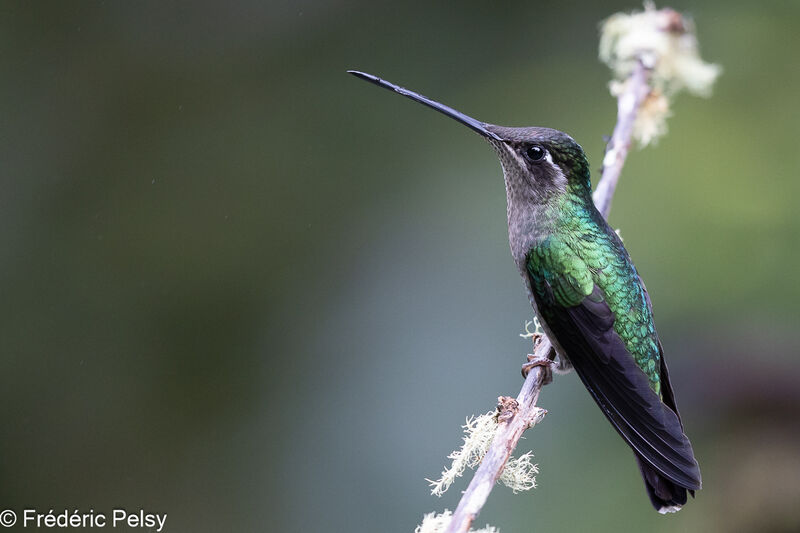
666,386
586,334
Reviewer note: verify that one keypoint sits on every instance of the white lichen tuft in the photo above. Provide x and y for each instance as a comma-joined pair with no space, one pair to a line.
437,523
537,328
519,473
651,119
479,432
665,43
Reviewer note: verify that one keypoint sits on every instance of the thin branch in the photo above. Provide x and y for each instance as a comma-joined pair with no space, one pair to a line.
628,104
515,419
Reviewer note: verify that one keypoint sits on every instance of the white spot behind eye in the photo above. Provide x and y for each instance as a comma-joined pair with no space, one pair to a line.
548,157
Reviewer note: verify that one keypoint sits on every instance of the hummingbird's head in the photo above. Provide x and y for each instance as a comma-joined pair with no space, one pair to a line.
538,163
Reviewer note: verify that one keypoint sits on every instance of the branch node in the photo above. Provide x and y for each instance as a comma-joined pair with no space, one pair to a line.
537,416
507,408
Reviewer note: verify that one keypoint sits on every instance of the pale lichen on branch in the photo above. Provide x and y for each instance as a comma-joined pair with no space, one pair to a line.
437,523
665,43
519,473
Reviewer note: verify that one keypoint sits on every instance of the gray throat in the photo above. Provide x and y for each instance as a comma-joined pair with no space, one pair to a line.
531,216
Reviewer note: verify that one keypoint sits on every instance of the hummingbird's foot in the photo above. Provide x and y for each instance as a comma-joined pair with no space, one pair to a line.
544,362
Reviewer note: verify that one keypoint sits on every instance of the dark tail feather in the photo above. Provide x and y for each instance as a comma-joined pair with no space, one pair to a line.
666,496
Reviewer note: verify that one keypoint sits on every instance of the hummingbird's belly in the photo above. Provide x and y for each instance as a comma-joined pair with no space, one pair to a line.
547,331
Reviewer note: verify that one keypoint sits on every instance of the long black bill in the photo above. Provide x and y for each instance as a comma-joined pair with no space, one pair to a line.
469,122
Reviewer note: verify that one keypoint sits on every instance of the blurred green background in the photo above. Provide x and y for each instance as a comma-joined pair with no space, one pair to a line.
250,291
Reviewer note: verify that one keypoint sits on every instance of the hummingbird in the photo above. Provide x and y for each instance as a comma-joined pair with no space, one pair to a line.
588,296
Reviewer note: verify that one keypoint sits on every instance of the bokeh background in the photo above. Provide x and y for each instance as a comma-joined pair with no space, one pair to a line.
250,291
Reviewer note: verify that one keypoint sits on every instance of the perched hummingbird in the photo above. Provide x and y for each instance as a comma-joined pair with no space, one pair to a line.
588,296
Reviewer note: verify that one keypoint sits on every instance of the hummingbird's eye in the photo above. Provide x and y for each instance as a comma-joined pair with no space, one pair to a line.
535,152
